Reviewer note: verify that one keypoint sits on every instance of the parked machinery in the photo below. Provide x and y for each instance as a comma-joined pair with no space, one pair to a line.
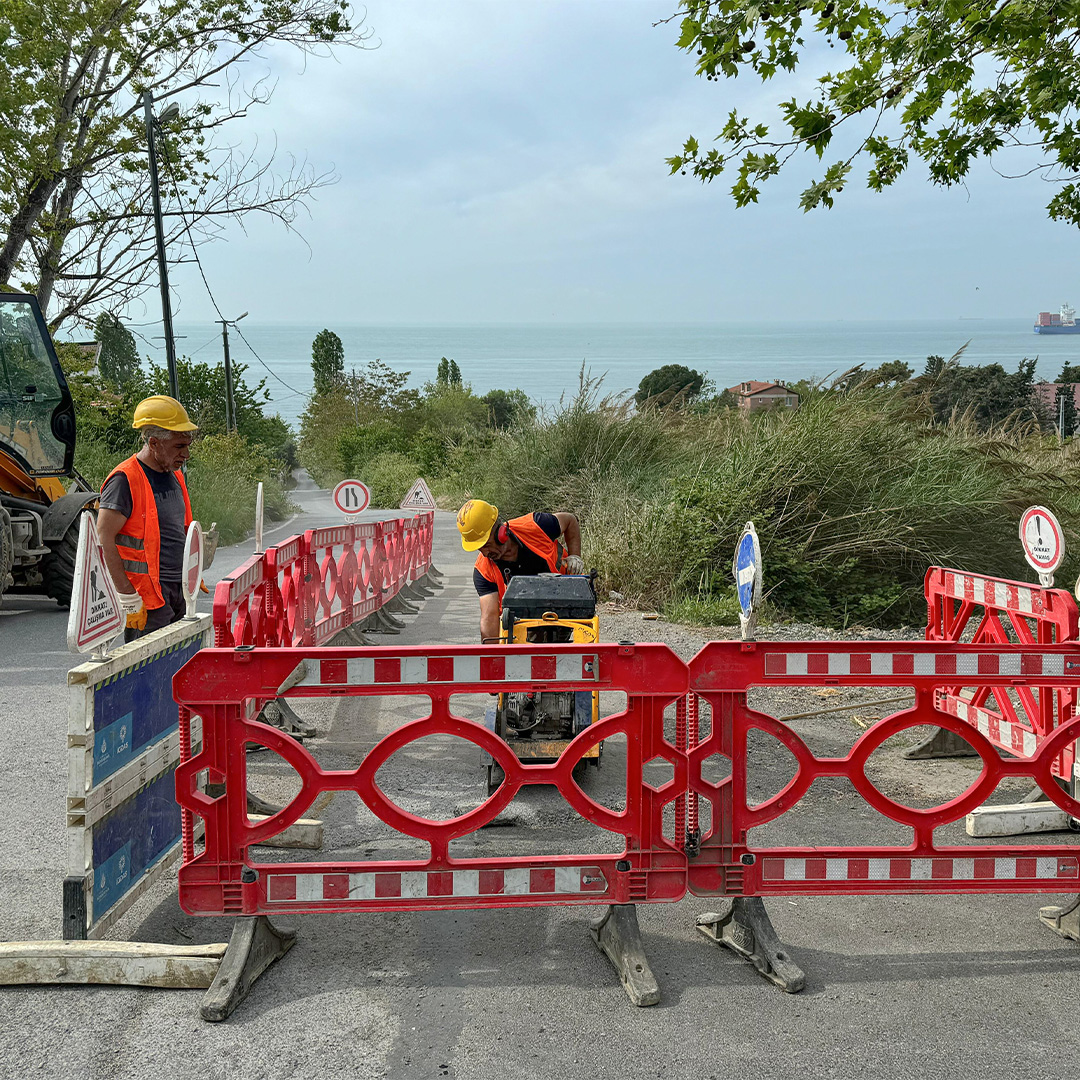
538,725
39,519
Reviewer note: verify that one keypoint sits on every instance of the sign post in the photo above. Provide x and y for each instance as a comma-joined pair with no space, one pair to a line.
351,497
95,617
259,520
193,566
747,571
1043,541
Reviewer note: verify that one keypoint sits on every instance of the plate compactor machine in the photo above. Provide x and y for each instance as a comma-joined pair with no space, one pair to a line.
545,609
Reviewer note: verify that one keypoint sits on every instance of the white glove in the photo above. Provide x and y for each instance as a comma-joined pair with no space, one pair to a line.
130,602
575,564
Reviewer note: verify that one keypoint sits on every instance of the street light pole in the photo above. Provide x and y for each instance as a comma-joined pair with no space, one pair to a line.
230,402
163,272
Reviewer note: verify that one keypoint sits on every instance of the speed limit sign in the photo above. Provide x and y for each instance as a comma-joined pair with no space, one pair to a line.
351,496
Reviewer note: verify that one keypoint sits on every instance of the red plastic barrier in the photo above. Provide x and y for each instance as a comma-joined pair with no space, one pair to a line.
729,863
307,589
228,686
990,610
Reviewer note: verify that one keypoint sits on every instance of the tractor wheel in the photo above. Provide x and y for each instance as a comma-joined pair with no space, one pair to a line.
58,567
7,551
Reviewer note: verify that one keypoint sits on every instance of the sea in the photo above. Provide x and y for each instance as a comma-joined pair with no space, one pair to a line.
546,361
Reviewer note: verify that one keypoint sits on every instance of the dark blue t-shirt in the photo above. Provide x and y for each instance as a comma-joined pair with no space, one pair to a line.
527,563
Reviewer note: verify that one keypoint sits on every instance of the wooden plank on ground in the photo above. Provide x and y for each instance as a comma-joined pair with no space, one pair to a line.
118,963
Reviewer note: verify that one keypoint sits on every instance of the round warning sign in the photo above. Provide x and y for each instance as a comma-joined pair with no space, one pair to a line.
1042,539
193,566
351,496
747,569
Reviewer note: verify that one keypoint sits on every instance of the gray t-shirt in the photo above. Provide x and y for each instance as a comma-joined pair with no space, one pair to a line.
169,499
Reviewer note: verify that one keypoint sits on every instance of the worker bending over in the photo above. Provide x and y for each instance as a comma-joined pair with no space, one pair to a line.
524,545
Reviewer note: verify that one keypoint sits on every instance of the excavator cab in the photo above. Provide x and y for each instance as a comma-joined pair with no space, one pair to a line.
38,517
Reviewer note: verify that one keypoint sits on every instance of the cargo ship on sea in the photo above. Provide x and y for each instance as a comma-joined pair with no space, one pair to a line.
1064,322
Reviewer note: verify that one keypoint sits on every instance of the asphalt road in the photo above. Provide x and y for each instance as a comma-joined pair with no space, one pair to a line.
956,987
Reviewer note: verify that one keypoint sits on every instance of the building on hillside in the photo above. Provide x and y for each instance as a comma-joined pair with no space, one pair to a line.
764,395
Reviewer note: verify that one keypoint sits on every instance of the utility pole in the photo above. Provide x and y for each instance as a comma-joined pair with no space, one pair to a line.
163,272
230,401
1061,419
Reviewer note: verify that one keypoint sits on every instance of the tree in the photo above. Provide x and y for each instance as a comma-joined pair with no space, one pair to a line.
508,407
1069,373
448,373
942,83
1065,409
119,359
75,221
672,384
327,361
989,393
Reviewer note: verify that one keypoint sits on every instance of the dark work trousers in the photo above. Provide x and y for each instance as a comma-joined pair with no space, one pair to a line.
174,609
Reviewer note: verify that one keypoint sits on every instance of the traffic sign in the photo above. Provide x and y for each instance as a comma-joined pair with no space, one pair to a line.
95,617
259,549
419,497
747,571
1043,542
351,496
193,566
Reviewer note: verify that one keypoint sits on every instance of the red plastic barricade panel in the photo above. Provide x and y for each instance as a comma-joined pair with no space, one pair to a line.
986,610
722,673
309,588
227,686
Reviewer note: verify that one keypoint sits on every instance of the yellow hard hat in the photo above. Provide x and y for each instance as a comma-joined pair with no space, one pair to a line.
475,521
163,412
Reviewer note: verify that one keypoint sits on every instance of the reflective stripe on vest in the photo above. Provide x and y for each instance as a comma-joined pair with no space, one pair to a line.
139,545
527,532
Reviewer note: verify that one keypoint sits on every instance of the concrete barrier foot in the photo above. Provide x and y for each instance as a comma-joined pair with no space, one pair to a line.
744,927
1064,920
255,944
618,935
942,744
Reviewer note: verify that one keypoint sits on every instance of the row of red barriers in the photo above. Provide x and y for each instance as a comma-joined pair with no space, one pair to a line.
711,855
993,611
313,586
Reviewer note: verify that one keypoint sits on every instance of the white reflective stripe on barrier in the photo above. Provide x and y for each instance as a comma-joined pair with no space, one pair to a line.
425,885
996,728
936,869
549,669
123,745
991,593
975,665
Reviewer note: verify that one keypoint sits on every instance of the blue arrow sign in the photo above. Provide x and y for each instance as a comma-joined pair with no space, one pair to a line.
747,569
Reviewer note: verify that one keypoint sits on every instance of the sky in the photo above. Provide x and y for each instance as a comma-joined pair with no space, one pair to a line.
503,161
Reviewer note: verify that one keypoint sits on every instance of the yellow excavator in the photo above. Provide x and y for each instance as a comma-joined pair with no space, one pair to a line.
39,517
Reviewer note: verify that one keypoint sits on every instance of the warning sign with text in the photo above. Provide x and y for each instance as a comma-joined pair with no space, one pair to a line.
95,616
419,497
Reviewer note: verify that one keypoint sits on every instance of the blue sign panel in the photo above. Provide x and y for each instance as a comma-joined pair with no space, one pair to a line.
747,569
129,840
135,708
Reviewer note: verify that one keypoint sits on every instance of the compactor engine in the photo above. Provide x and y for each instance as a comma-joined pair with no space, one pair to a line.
545,609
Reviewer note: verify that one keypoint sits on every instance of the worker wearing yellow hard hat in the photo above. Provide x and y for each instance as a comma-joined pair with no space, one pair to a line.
144,515
538,543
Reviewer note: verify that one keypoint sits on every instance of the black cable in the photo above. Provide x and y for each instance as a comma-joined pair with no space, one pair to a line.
202,274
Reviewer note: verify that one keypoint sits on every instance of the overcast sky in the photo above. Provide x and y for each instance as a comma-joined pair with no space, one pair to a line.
503,161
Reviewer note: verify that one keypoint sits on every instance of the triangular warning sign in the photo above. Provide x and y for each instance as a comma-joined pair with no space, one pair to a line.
419,497
95,617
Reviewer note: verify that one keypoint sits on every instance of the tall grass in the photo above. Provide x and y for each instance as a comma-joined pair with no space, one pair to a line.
853,496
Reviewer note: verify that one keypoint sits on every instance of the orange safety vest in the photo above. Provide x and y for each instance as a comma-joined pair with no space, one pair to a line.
140,542
527,532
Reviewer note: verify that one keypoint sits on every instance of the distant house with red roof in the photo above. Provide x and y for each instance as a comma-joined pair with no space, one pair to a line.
764,395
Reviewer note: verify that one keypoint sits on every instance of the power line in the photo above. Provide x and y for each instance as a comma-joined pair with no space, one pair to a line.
202,273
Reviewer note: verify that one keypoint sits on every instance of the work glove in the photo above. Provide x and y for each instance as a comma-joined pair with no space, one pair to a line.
137,621
575,564
130,602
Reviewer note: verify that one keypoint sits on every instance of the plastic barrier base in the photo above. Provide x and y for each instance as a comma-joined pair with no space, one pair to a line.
618,936
745,928
942,744
1063,920
255,944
